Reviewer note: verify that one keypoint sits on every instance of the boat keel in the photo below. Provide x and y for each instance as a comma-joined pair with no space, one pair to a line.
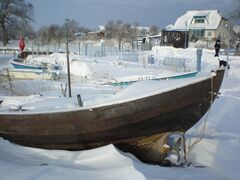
164,149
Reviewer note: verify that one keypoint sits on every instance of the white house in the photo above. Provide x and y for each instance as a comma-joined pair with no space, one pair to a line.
203,24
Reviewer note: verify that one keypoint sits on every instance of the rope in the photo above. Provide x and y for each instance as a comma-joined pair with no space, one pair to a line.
203,130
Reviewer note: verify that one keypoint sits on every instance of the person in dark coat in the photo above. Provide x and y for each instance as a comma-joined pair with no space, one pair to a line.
217,47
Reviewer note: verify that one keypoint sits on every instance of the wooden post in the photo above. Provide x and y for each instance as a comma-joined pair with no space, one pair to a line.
80,103
68,64
10,82
184,148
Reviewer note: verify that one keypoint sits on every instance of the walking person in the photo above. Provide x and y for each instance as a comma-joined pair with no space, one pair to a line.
21,46
217,47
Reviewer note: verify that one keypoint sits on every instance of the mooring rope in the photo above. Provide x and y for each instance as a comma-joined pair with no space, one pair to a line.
203,130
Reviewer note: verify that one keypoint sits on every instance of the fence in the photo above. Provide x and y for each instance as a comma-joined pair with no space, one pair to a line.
90,49
101,49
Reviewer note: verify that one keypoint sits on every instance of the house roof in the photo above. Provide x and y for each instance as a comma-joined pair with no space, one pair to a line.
185,21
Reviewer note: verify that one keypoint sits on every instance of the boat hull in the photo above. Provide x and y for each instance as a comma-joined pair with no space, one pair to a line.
18,64
175,110
30,74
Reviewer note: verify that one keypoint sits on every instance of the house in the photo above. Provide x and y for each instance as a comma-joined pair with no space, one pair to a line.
175,38
98,33
206,25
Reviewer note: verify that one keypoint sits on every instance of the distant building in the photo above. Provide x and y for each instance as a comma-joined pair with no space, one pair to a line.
99,33
202,25
208,24
175,38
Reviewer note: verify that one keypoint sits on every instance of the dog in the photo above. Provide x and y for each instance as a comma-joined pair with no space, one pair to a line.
224,64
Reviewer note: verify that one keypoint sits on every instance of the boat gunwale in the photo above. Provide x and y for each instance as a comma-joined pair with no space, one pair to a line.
104,105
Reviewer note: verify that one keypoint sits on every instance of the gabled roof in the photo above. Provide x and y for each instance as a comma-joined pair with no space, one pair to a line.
185,21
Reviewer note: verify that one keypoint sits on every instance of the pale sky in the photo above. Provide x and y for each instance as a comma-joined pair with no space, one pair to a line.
91,13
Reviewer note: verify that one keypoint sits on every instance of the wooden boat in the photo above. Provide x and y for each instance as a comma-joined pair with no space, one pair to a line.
177,109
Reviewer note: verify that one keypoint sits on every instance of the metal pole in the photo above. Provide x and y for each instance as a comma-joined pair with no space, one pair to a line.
68,65
185,37
228,39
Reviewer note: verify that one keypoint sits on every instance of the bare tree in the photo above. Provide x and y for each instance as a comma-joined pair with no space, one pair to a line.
13,11
118,30
235,16
109,29
17,28
134,33
56,33
73,27
42,35
153,30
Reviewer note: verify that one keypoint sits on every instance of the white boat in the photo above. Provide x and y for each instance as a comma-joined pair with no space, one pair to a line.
30,74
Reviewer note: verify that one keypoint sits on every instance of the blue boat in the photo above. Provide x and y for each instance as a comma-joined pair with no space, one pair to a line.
19,64
176,76
22,70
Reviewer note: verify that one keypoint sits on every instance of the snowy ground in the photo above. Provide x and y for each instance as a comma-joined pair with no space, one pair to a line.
217,155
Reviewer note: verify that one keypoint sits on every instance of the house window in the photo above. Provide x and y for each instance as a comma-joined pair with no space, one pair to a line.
196,34
209,33
199,20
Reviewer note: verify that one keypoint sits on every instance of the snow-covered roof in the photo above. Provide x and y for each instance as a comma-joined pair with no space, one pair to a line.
140,28
101,28
186,21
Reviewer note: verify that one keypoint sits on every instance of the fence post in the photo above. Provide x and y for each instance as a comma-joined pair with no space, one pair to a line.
199,57
10,82
38,49
80,103
86,49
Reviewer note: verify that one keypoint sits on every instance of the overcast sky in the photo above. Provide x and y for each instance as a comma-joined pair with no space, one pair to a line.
91,13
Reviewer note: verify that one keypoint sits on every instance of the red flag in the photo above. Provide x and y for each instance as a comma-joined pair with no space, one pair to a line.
21,44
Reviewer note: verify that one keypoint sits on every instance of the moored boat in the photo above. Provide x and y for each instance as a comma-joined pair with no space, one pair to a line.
167,77
22,70
176,109
14,73
20,64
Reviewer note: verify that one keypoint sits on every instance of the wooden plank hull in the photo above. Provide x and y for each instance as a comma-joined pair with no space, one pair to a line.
175,110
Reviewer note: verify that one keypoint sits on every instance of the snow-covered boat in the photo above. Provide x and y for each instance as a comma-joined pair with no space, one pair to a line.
22,70
129,81
30,74
176,109
19,64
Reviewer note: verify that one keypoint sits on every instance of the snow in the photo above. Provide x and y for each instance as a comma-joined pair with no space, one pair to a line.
216,155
